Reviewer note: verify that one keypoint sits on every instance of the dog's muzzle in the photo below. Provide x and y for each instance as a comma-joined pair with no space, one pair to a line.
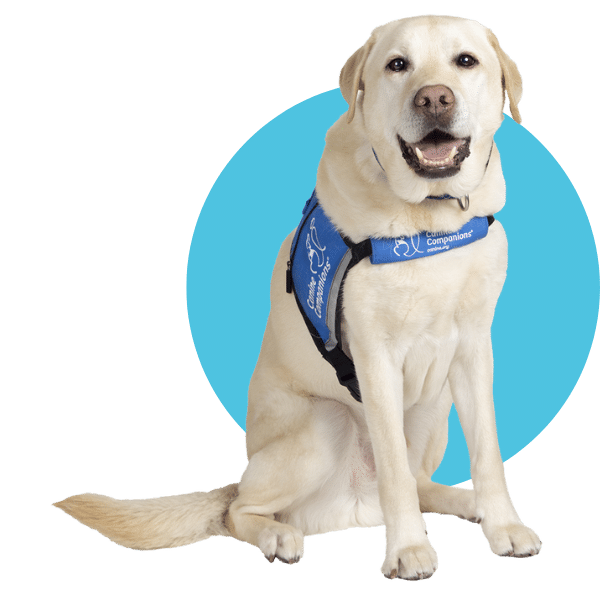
438,154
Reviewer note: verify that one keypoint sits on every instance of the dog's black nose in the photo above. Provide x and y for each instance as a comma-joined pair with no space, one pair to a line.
435,101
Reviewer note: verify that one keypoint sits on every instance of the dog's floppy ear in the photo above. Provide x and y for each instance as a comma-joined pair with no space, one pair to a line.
351,76
511,79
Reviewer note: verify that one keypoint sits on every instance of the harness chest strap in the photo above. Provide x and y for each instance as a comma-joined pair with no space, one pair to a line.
320,259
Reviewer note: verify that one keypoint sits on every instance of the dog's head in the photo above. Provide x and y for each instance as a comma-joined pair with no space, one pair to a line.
429,92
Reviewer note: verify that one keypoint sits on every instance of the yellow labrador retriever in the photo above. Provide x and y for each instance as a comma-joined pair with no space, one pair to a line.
414,154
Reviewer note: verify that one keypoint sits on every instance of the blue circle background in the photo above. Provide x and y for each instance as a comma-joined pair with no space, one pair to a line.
545,318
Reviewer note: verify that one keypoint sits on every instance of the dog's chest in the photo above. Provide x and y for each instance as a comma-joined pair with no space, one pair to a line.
415,315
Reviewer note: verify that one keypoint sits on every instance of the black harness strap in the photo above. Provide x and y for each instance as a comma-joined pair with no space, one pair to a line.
336,357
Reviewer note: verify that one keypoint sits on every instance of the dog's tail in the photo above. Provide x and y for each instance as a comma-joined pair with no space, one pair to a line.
158,523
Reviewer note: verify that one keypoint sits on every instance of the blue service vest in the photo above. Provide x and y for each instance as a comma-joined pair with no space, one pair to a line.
320,258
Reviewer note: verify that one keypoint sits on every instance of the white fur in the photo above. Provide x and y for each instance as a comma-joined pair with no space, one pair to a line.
418,331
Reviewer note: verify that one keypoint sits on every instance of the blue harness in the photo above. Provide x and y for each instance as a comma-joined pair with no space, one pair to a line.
320,259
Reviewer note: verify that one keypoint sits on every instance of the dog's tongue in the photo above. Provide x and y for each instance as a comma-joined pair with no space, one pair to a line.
433,151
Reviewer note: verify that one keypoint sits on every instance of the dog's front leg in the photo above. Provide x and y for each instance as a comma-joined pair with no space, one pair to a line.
471,376
409,554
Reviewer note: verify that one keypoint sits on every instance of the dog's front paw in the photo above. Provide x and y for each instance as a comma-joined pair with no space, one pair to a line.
512,540
283,542
412,562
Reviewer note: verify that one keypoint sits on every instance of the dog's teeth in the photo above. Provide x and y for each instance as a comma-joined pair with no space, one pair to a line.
435,163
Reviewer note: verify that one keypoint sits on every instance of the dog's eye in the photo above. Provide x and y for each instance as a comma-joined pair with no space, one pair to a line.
398,64
466,60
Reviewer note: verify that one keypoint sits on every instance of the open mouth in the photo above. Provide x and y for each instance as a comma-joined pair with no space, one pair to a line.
438,154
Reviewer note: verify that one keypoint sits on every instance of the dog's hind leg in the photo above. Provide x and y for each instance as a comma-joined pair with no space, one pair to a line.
289,461
265,492
446,500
